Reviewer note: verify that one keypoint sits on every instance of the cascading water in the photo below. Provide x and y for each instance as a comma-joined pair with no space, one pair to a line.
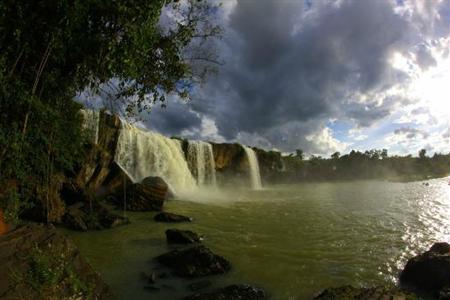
200,160
90,123
255,176
144,153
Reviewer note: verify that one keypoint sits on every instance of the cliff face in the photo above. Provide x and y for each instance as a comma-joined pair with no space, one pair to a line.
99,173
270,165
231,163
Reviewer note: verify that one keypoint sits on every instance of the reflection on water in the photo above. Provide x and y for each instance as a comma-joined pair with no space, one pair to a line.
293,240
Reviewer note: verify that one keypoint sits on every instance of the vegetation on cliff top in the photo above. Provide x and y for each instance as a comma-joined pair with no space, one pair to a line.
373,164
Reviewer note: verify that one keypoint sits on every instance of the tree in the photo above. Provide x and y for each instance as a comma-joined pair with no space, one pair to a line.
335,155
299,154
423,153
53,50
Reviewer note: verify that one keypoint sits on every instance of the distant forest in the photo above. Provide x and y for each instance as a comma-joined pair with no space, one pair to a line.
373,164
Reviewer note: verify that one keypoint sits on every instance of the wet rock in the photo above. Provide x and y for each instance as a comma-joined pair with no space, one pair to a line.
150,278
38,262
428,273
199,285
348,292
232,292
152,288
167,217
176,236
194,262
148,195
84,216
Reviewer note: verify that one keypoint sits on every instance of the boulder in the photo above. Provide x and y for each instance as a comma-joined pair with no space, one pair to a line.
428,273
148,195
348,292
167,217
176,236
232,292
38,262
193,262
85,216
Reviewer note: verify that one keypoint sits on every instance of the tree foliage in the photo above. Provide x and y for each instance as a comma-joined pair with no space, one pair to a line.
372,164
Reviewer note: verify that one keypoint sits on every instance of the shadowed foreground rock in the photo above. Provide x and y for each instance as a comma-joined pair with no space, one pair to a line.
232,292
83,216
176,236
429,273
38,262
194,262
377,293
166,217
148,195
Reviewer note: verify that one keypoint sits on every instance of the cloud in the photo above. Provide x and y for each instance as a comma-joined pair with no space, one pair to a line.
411,133
291,67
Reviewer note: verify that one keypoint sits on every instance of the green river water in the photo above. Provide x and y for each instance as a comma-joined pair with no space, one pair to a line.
291,240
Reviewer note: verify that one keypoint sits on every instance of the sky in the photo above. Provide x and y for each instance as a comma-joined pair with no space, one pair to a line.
324,76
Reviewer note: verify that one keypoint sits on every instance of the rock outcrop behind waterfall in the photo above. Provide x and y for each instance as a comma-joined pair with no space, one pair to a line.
232,163
99,174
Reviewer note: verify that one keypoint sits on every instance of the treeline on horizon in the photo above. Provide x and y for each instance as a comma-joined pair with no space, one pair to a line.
371,164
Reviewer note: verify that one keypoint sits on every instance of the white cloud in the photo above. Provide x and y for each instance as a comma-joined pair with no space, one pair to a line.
324,140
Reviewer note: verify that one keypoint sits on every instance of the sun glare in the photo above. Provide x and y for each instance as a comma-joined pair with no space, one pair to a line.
432,89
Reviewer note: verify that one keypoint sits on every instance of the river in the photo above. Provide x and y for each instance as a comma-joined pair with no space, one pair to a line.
292,240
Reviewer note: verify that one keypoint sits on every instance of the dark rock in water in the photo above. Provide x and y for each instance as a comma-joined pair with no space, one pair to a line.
440,248
148,195
232,292
194,262
171,218
177,236
85,216
38,262
150,278
428,273
199,285
348,292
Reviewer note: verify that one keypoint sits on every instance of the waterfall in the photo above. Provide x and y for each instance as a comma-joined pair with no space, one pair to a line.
144,153
255,176
90,123
200,159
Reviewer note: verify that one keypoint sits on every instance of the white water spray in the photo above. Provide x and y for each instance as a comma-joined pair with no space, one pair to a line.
90,123
200,159
144,153
255,176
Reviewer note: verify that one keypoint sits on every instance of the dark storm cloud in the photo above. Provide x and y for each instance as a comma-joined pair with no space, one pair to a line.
286,69
291,67
411,133
172,119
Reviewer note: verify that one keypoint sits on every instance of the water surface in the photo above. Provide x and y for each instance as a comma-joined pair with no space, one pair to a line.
292,240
